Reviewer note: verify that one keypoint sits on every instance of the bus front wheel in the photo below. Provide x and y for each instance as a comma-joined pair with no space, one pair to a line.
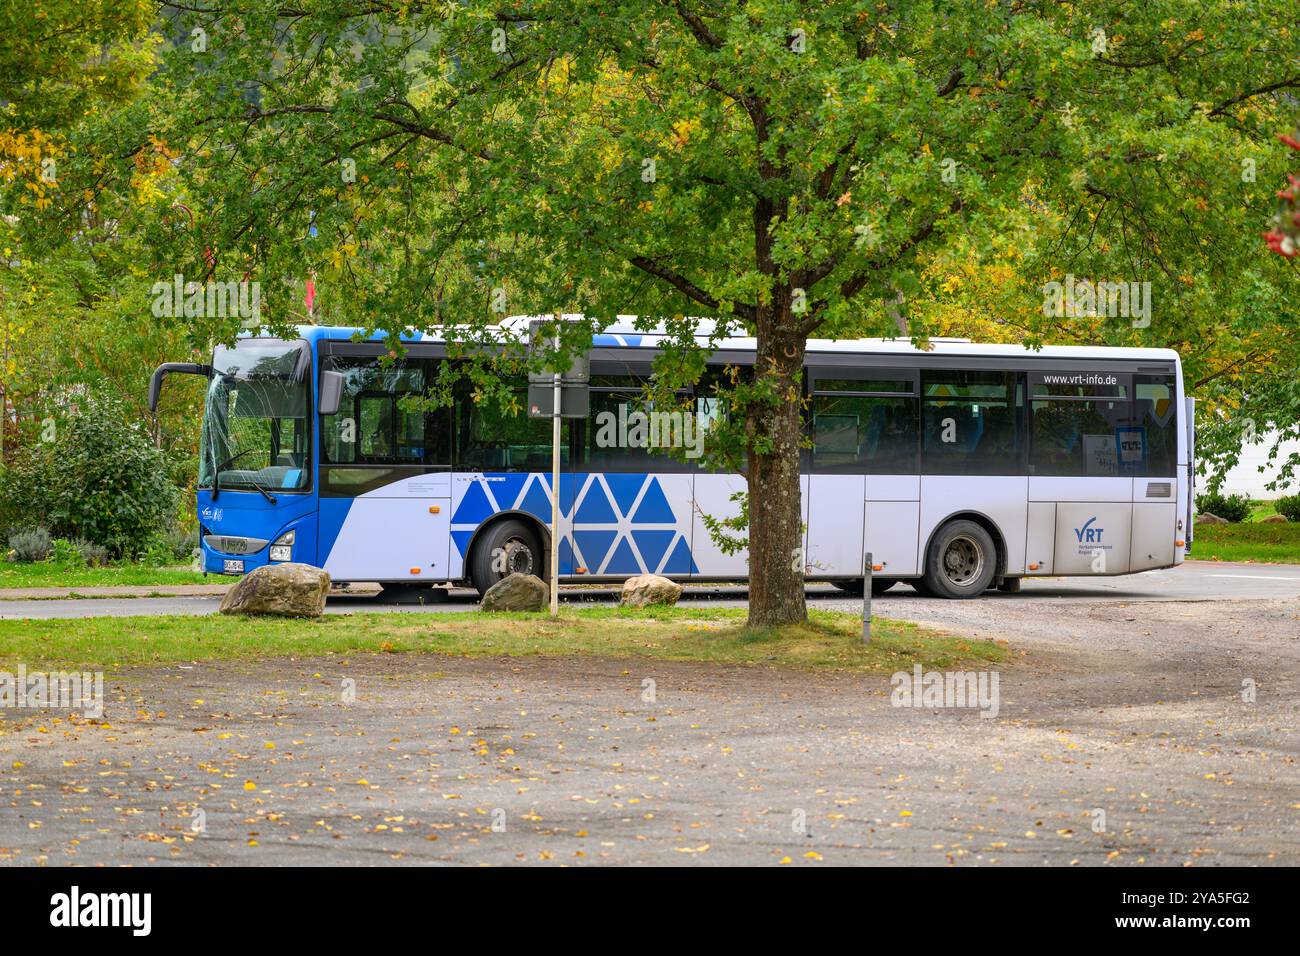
961,561
508,547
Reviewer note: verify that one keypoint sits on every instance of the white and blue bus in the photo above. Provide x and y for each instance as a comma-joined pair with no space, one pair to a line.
960,468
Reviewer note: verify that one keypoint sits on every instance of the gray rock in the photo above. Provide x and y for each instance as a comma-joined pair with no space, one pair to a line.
1275,519
280,590
1206,517
517,592
644,589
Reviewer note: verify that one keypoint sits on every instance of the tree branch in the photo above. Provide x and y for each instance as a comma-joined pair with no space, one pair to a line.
689,288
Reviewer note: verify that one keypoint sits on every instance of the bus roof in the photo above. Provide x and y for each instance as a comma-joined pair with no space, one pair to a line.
623,333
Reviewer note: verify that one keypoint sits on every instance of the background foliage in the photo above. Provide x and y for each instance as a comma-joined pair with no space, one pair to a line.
433,162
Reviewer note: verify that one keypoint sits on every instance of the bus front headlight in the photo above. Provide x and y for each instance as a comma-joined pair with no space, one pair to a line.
282,548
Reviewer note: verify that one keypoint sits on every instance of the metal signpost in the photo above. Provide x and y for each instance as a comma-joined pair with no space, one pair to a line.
568,398
557,407
866,601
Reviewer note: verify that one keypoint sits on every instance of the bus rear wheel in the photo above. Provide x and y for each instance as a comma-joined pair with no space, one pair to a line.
508,547
961,561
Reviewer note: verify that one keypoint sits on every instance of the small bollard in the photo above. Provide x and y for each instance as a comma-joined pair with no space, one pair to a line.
866,601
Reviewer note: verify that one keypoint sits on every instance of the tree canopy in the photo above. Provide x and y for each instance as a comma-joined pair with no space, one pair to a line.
793,170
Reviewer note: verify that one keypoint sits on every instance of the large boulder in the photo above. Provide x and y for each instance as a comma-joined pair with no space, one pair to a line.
280,590
517,592
644,589
1206,517
1275,519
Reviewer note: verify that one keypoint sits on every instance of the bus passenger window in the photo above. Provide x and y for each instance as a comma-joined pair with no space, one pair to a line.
863,435
971,423
1156,419
373,426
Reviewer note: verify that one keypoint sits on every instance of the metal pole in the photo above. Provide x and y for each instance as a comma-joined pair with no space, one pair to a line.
866,601
555,490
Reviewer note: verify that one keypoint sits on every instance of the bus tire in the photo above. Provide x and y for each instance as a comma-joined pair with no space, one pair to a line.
516,545
961,561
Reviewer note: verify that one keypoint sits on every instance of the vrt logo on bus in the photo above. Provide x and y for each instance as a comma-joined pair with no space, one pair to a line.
1088,534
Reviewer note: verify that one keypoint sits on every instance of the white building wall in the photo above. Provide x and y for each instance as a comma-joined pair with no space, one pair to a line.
1247,479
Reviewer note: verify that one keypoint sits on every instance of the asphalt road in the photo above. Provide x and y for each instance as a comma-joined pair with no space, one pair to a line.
1148,721
1194,581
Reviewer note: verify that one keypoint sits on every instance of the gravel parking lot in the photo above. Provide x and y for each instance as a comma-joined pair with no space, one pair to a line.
1125,735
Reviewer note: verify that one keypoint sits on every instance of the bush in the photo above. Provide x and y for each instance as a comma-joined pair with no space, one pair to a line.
158,554
95,555
24,484
100,480
66,554
33,545
1289,507
182,543
1233,508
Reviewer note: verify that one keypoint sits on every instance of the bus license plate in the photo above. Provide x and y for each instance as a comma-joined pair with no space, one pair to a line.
232,566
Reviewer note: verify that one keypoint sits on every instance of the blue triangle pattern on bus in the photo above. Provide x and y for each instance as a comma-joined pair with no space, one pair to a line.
623,561
595,507
537,502
569,484
506,488
474,507
594,545
624,488
680,561
653,545
654,507
566,556
461,540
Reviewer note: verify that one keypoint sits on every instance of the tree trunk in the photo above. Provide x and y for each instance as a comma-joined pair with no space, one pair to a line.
776,552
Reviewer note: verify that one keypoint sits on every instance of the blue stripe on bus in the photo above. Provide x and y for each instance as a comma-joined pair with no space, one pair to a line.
333,512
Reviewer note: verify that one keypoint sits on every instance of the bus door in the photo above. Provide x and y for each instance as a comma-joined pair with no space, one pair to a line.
385,484
863,485
1081,467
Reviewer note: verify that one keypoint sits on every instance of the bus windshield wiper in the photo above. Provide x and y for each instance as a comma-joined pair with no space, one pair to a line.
216,477
265,494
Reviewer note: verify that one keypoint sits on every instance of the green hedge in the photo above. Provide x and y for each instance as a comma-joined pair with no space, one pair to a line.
100,480
1233,508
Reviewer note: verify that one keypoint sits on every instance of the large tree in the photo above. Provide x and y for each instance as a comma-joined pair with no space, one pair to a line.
790,169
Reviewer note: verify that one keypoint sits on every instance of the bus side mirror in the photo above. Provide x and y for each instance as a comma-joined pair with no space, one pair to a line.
172,368
331,391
